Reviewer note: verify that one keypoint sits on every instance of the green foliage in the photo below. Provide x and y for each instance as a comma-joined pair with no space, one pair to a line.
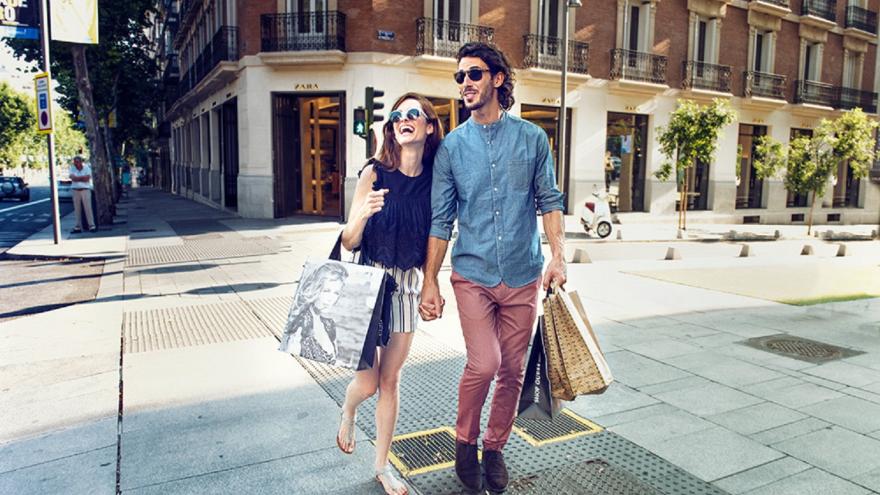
769,157
123,69
692,135
16,119
854,141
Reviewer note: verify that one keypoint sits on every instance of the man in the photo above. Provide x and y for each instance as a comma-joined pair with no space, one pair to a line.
490,173
81,188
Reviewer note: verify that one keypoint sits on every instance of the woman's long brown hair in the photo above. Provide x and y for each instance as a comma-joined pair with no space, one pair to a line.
389,155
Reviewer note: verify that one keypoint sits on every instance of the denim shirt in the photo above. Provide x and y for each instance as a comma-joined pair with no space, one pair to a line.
492,178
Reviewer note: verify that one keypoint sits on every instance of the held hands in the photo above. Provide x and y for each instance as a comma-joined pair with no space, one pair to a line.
373,203
556,272
432,303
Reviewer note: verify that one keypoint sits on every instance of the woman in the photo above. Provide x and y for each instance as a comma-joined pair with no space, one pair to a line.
308,333
389,222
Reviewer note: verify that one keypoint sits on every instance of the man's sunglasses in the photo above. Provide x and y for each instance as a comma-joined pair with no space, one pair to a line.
474,74
411,114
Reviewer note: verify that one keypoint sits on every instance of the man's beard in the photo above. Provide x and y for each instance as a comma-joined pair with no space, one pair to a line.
484,98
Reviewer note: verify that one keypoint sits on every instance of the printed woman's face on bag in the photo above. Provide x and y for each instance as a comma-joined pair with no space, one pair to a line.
410,123
329,294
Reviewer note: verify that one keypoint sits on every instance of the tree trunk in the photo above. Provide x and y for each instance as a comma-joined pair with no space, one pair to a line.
99,162
684,211
810,220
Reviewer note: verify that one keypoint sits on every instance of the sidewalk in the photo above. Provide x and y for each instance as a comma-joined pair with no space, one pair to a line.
203,403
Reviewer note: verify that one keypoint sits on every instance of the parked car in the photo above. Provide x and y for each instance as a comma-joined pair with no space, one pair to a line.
14,188
64,191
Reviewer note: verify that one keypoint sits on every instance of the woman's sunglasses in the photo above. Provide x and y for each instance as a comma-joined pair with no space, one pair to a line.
474,74
411,114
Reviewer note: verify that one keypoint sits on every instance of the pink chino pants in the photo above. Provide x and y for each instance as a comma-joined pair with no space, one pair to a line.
497,324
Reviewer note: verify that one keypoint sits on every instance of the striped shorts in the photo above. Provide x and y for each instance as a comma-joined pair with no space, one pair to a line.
405,300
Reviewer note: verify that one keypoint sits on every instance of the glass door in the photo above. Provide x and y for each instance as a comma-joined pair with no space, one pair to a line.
750,189
624,161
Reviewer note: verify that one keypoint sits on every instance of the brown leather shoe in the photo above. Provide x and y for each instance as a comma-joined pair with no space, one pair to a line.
467,466
496,471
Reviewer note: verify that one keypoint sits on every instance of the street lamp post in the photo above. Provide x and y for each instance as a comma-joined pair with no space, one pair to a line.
563,162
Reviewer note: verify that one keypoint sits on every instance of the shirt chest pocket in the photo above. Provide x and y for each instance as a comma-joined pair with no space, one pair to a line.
520,174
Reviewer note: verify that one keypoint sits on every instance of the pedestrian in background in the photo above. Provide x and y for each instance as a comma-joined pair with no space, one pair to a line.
490,173
389,221
81,189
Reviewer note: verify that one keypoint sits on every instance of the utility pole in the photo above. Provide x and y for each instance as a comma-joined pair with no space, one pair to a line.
53,187
563,158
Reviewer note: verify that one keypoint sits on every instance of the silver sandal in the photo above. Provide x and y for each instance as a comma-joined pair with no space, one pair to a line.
386,478
348,423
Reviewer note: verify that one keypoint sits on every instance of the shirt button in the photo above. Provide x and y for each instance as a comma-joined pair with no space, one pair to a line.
496,189
493,165
499,237
497,212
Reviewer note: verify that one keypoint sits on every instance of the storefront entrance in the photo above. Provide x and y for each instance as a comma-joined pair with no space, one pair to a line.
624,162
308,155
547,118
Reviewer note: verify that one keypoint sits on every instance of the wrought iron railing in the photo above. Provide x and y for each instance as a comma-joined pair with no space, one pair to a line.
222,48
443,38
863,19
815,93
702,75
764,85
638,66
826,9
855,98
781,3
303,31
545,52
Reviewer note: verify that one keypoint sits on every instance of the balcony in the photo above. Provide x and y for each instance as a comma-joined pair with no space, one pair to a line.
779,8
704,76
312,31
442,38
545,52
637,66
223,48
855,98
861,23
763,85
815,93
819,13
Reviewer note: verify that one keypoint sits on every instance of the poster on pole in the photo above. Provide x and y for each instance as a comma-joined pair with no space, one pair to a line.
44,103
20,19
74,21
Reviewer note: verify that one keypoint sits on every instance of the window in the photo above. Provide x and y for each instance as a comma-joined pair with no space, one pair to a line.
762,51
549,18
812,61
704,39
796,200
852,69
453,10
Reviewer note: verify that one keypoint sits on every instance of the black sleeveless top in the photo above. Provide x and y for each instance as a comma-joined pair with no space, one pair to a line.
397,235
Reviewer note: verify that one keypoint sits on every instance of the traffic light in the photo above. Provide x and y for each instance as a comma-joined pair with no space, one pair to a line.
373,105
360,122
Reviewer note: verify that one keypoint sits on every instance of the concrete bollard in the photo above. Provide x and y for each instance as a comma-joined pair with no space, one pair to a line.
841,250
746,251
777,235
581,256
829,235
619,235
672,254
807,250
731,235
816,234
873,234
679,235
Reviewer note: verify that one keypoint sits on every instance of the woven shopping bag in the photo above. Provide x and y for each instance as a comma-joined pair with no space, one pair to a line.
578,364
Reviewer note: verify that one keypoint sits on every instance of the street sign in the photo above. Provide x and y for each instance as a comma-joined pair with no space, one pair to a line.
19,19
44,103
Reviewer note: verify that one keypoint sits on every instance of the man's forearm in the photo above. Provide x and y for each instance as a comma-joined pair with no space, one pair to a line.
555,232
434,259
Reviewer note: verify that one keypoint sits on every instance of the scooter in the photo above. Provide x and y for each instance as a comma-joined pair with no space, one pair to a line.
596,214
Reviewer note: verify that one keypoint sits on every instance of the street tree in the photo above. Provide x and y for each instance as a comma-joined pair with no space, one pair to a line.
690,137
119,74
16,119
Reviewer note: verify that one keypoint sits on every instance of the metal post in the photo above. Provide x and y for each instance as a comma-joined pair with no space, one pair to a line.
53,187
562,114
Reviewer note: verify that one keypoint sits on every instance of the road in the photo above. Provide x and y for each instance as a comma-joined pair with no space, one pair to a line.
19,220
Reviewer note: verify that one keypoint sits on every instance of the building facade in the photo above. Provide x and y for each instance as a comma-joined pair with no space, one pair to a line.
261,94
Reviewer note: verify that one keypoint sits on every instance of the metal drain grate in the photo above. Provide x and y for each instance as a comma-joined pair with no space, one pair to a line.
591,477
141,231
423,451
800,348
172,328
565,426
